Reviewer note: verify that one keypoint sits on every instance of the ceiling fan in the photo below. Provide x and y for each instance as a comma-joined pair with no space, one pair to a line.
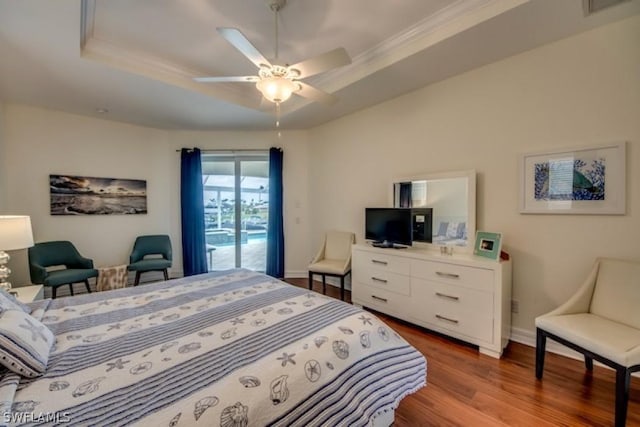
277,81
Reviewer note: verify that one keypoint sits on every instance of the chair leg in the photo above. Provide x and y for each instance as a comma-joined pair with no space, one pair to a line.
623,381
71,288
137,281
86,283
324,284
166,274
588,363
342,288
54,290
310,280
541,341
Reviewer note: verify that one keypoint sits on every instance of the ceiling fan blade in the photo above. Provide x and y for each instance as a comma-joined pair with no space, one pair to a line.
310,92
240,42
240,79
333,59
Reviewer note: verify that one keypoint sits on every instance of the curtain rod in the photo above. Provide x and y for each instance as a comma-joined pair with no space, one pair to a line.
235,150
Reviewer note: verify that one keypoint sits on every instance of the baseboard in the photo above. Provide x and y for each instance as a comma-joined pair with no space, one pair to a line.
526,337
296,274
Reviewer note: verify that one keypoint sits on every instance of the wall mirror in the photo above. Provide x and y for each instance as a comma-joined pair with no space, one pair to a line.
452,198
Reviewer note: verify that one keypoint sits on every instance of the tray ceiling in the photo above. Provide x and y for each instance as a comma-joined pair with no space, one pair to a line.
137,59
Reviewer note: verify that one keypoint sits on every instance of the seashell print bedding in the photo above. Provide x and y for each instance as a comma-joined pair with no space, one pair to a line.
234,348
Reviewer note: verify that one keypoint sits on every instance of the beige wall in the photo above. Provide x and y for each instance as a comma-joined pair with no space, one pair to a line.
40,142
3,171
577,92
581,91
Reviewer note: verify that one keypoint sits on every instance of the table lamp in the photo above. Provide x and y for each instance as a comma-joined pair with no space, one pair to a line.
15,233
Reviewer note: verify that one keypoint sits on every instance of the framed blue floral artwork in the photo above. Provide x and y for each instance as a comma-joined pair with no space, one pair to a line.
587,180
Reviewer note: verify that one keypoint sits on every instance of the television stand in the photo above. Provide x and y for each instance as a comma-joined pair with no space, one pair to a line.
462,296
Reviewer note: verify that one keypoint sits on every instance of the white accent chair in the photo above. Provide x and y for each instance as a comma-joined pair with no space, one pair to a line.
333,258
601,321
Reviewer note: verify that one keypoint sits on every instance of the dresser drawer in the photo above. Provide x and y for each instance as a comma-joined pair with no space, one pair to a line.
462,275
381,279
379,299
363,260
455,308
436,295
467,327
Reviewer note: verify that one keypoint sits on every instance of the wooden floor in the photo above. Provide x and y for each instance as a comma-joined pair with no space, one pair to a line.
465,388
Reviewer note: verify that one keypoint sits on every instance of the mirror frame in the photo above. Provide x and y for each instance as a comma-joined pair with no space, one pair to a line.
470,175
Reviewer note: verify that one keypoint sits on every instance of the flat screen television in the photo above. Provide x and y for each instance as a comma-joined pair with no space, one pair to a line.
388,227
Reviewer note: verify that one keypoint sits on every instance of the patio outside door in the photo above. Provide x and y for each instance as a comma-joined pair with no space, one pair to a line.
236,199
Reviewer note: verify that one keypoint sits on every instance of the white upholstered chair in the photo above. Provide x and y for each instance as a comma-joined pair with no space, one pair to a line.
333,259
601,321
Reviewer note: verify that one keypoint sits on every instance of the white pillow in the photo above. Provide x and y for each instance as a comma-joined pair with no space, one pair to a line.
25,343
9,302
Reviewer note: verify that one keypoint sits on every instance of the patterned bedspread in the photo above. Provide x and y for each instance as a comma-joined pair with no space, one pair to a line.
233,349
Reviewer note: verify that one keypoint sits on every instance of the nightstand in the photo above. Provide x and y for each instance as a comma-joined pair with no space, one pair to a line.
29,293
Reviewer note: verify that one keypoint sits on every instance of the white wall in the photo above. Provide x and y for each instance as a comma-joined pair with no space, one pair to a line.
580,91
40,142
295,182
3,171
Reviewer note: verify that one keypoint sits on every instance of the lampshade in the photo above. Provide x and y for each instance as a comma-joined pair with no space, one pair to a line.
15,232
276,89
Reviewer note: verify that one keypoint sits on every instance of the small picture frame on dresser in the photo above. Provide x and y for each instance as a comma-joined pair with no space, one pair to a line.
488,245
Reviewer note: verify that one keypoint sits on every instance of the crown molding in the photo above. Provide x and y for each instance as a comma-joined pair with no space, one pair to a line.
447,22
142,64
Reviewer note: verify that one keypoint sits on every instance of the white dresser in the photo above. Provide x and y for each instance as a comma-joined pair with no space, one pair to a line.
462,296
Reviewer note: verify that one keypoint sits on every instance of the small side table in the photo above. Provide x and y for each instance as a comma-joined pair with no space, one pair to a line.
114,277
29,293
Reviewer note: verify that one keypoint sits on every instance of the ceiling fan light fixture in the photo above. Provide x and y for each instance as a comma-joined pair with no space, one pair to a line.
277,89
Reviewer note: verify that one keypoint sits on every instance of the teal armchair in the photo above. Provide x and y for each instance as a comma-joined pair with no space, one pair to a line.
78,269
151,253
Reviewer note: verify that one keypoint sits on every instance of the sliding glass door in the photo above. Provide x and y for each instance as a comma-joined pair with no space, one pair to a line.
236,199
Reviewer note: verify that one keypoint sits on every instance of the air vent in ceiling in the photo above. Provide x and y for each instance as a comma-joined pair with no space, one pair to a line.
593,6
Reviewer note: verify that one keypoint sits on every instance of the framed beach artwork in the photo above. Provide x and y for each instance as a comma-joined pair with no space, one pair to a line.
574,181
85,195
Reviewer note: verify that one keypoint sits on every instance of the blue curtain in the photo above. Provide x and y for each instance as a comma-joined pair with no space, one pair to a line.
194,260
275,229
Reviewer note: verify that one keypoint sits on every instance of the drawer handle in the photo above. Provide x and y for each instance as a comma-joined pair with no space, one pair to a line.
376,279
451,297
447,319
448,275
377,261
379,299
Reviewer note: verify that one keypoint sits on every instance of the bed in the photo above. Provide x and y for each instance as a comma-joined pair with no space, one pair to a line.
234,349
